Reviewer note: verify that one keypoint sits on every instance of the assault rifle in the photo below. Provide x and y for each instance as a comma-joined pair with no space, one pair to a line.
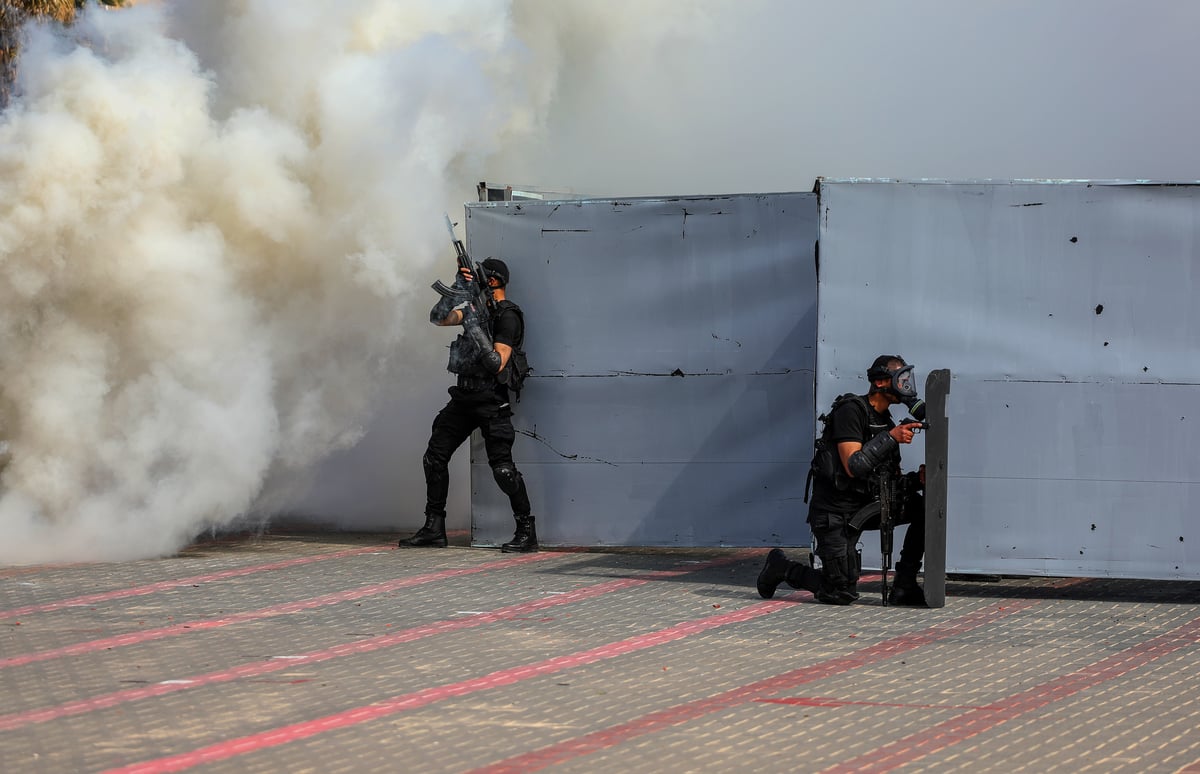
889,498
476,293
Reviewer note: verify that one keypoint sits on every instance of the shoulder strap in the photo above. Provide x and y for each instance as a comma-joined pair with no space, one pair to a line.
824,447
860,400
848,397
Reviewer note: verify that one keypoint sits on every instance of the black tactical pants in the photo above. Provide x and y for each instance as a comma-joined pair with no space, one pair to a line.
453,425
837,541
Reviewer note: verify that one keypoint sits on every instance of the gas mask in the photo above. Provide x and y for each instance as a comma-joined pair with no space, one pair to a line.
903,386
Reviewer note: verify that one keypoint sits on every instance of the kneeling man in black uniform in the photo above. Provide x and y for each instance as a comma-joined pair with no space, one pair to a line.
860,438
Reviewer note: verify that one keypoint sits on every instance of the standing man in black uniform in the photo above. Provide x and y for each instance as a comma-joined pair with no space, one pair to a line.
480,399
861,437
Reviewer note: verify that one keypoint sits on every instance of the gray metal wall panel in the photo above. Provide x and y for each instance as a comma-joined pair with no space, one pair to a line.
1066,313
619,295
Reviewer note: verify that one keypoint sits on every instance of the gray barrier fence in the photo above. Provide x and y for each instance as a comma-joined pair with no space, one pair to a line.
673,342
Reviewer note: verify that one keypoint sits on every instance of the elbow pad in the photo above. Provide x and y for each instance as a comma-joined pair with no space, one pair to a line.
491,361
875,451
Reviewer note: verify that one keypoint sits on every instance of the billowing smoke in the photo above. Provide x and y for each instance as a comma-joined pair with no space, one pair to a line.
218,221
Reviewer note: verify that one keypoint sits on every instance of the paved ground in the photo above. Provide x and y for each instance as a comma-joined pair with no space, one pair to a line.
333,652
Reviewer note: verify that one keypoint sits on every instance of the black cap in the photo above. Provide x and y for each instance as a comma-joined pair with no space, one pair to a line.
496,268
879,369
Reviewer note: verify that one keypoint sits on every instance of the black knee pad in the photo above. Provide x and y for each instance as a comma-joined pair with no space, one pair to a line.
837,567
509,479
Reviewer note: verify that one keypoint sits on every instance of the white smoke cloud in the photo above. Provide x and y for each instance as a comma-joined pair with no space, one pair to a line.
213,219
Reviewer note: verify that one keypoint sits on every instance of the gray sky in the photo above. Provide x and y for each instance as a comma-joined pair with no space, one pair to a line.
766,95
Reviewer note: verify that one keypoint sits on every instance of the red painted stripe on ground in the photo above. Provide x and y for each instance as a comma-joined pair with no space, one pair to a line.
258,668
105,596
190,627
295,732
673,716
409,701
928,741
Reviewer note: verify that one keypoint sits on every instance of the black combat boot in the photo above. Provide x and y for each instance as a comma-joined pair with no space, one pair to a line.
906,593
524,539
779,569
831,596
773,573
432,535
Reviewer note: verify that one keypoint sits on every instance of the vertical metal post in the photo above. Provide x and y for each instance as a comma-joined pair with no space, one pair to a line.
937,388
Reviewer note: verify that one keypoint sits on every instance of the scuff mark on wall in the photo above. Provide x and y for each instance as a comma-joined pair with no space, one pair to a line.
564,455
